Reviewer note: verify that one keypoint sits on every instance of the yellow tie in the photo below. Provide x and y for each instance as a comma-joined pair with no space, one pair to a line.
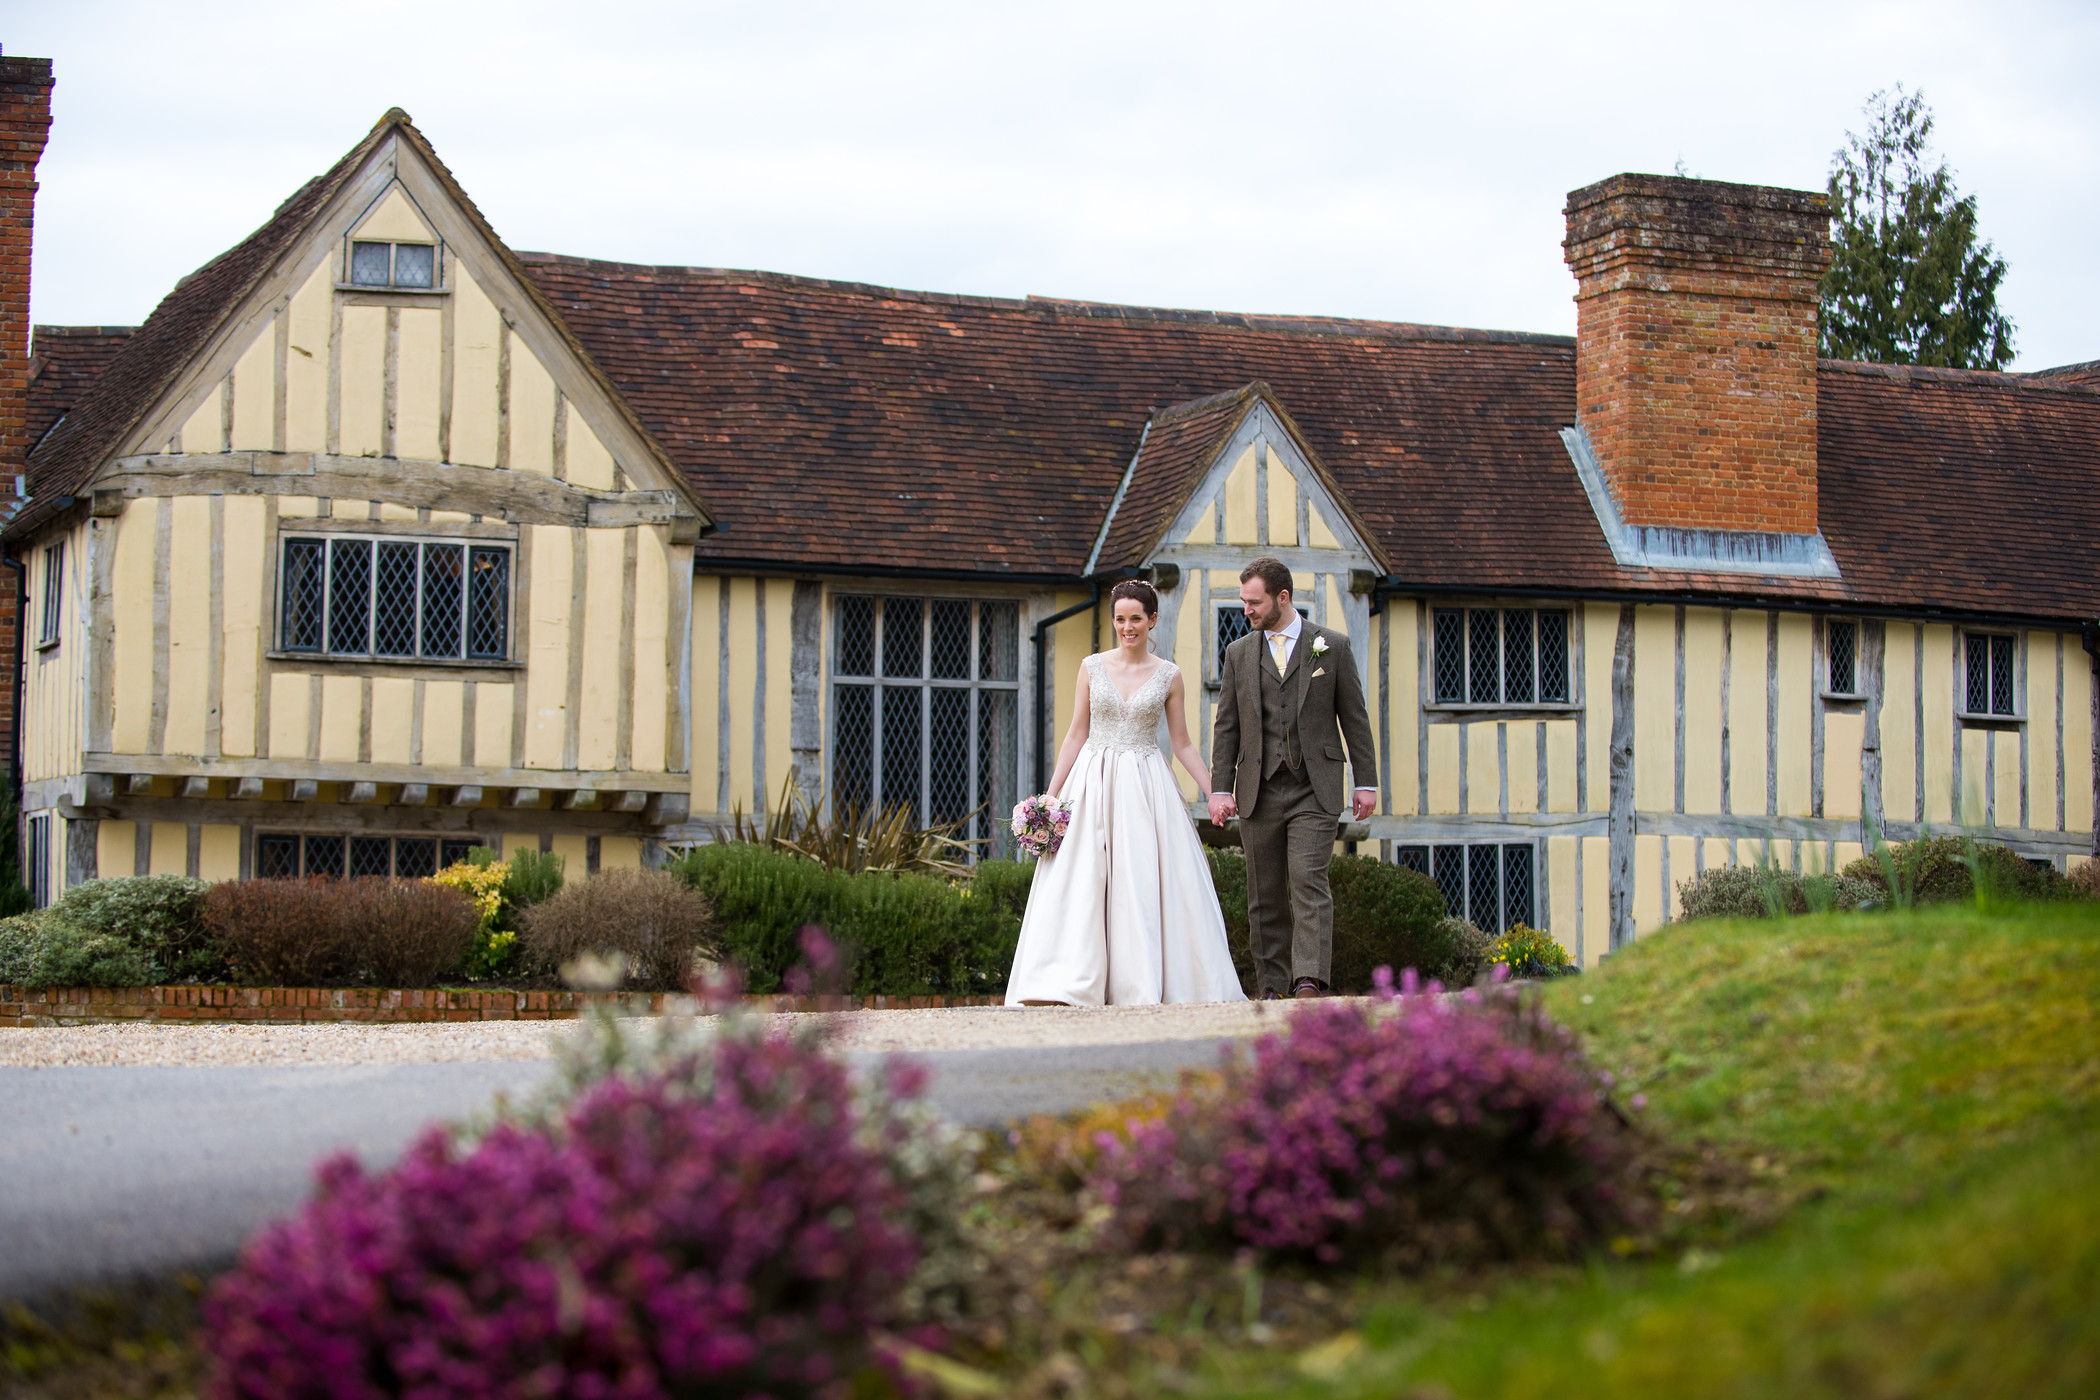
1277,641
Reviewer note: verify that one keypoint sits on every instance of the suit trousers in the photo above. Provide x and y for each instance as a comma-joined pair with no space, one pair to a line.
1289,842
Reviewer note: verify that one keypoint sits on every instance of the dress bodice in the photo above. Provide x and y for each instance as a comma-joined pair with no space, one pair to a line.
1125,726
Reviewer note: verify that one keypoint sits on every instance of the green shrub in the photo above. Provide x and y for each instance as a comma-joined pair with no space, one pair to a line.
534,876
1943,870
41,949
901,933
656,923
1469,952
1756,892
2085,881
1384,916
161,915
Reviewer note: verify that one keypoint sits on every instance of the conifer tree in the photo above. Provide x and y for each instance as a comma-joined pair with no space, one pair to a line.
1909,284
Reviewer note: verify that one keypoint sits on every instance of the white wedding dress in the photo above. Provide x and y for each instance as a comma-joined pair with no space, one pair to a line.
1124,914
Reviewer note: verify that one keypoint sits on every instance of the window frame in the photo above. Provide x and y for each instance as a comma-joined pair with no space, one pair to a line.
1220,609
328,539
51,607
990,823
1433,700
1829,689
393,838
2016,684
347,281
1466,860
36,858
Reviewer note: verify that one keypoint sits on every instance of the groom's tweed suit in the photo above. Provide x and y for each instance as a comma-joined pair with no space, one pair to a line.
1278,748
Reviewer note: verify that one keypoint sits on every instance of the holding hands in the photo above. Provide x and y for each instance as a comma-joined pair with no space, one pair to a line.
1222,808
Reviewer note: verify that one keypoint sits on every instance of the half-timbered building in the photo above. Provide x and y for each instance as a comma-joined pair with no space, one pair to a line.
377,538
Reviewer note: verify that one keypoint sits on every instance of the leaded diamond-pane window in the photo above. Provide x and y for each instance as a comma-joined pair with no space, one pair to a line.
371,855
1492,886
415,860
351,596
1843,643
1232,625
1496,656
925,708
371,264
1990,680
283,855
276,857
324,856
413,265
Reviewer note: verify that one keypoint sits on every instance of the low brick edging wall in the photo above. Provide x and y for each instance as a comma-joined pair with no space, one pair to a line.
83,1006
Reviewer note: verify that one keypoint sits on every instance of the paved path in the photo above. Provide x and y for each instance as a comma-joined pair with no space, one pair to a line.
113,1169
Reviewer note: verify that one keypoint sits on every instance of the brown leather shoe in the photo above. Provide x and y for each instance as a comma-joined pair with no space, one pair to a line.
1308,987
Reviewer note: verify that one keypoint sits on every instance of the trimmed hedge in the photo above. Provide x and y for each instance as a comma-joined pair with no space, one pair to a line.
901,934
1936,871
130,931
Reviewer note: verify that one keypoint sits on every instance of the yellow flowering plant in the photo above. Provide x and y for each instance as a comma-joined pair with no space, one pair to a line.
495,944
1530,952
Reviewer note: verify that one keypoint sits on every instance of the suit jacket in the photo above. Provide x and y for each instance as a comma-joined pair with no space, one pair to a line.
1331,714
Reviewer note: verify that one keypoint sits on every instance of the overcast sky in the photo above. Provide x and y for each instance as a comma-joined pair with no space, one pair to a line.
1397,161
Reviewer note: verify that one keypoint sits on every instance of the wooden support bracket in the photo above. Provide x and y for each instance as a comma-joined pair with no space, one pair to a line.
196,787
579,800
414,794
629,802
139,785
524,797
250,788
96,790
466,797
305,790
363,792
666,808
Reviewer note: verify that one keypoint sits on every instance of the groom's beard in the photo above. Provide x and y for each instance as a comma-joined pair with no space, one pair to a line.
1267,621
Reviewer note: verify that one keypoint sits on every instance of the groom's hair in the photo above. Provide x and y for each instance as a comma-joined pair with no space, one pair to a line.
1274,574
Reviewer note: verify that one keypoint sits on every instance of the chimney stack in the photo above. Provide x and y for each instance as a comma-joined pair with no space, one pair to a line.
25,123
1695,369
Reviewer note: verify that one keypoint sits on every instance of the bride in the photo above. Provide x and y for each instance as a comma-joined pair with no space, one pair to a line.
1125,912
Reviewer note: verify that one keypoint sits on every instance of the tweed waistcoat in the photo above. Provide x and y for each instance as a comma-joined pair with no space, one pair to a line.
1280,745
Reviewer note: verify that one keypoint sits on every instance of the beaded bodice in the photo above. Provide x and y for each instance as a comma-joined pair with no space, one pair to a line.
1125,726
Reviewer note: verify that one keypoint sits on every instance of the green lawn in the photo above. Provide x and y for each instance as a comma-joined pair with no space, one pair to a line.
1926,1084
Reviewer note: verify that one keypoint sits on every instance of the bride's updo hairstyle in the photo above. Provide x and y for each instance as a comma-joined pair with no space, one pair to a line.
1145,594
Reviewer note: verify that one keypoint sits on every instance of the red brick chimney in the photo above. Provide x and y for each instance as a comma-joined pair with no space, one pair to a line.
25,123
1695,360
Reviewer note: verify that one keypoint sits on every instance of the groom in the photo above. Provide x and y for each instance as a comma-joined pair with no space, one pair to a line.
1290,700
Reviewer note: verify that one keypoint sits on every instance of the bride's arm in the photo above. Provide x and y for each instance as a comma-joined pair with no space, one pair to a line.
1178,735
1075,737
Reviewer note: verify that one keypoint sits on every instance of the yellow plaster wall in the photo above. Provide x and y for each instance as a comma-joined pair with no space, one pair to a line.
1443,769
2041,725
1938,737
1074,641
1240,520
1747,716
1654,709
1975,754
417,378
705,716
219,852
1560,765
1523,749
598,725
169,849
306,362
1205,530
1404,713
444,719
1705,640
1189,638
255,392
393,718
1316,524
342,714
1899,725
291,702
131,584
52,680
494,712
739,685
619,853
780,695
1283,504
1562,891
1843,736
116,848
547,645
531,411
2005,804
205,429
653,680
574,851
1649,909
189,624
2078,741
1600,624
394,220
1797,670
588,463
246,523
1684,867
477,338
1483,773
362,402
1596,898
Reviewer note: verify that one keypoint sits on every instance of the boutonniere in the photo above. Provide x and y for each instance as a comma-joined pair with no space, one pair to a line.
1319,646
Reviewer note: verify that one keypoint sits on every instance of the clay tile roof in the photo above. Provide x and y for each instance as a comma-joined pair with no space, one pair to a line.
64,363
1180,443
2086,374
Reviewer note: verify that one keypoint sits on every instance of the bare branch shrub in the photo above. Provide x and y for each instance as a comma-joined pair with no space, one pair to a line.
278,932
649,917
404,933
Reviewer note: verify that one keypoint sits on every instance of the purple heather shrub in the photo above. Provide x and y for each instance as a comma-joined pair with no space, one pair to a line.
1416,1127
730,1234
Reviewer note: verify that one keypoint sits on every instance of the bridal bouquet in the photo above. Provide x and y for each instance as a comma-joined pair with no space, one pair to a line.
1039,824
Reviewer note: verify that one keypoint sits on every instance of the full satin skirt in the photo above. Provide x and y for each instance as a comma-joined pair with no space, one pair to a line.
1125,913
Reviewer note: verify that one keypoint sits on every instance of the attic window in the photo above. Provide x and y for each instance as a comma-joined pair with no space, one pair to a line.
411,265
